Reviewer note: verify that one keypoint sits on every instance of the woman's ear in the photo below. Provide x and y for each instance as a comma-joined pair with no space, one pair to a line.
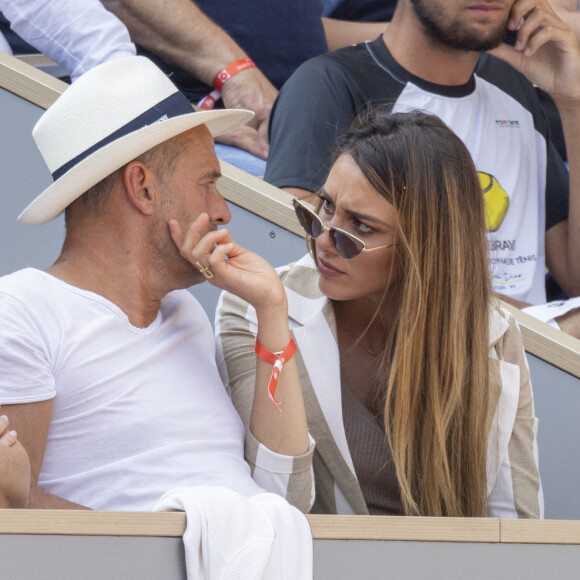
141,186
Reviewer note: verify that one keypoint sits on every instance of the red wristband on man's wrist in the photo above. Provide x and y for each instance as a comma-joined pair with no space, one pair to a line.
221,78
208,102
232,70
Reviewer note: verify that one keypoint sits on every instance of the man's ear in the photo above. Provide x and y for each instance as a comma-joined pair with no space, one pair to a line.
141,185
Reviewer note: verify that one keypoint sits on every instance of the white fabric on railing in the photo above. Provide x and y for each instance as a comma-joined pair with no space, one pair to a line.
230,537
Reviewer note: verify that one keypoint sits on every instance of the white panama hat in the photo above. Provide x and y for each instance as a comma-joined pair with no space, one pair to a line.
108,117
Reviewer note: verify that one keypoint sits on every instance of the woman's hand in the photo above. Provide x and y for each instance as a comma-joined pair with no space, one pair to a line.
228,265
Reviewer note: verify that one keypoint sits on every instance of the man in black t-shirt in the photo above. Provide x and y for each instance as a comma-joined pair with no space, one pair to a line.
430,58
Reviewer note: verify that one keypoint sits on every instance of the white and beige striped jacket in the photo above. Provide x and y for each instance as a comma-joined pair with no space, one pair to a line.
514,488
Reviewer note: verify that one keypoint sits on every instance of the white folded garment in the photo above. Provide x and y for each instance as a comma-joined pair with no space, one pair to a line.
232,537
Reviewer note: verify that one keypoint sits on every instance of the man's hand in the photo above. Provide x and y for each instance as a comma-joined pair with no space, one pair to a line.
248,139
7,437
251,90
234,268
546,51
14,469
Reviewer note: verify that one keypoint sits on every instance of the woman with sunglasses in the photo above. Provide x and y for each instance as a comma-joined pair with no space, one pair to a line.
415,383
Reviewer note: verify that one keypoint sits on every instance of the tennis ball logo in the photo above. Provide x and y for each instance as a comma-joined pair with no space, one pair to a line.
496,201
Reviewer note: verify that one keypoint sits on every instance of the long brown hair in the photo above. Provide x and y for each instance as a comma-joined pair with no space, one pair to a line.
434,375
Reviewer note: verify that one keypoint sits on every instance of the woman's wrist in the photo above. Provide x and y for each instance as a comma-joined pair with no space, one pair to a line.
273,331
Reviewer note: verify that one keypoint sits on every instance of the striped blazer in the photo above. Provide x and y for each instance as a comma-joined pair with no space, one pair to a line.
513,481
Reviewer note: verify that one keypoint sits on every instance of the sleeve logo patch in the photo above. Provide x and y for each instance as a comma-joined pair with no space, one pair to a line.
507,123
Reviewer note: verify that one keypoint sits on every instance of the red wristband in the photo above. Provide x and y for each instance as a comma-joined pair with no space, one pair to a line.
278,360
208,102
232,70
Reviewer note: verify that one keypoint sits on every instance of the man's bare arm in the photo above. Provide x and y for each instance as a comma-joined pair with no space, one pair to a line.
563,239
180,32
183,35
31,421
547,53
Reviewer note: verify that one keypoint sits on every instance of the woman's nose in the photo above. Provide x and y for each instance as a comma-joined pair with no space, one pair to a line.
323,241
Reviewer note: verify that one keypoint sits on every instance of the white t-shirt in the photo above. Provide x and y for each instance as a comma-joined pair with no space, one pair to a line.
137,411
516,233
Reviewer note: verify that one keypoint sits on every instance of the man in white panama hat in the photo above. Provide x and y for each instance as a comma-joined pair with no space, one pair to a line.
107,365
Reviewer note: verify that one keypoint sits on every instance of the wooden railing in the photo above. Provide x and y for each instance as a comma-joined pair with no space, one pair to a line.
324,527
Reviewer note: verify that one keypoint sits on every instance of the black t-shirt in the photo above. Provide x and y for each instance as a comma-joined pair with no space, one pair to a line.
17,44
